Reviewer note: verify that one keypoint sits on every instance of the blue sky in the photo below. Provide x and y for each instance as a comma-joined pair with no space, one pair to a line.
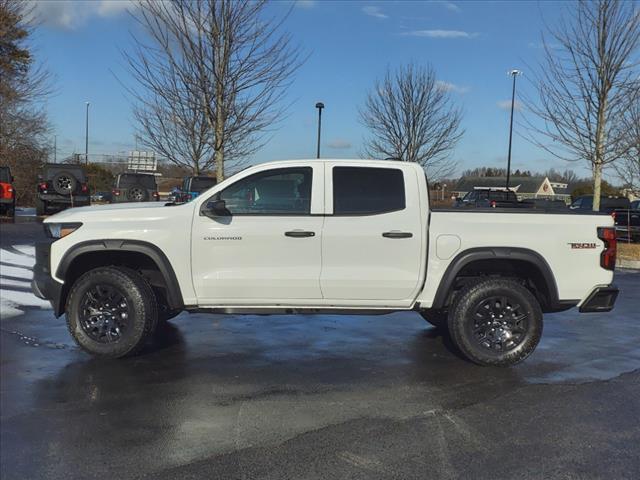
471,45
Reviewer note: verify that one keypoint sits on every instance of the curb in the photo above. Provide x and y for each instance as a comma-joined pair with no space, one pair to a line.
633,264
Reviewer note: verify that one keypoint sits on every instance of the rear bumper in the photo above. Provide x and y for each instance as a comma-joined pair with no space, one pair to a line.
7,201
52,197
601,299
43,284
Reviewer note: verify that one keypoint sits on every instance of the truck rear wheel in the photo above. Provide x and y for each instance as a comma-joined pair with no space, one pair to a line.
496,322
111,312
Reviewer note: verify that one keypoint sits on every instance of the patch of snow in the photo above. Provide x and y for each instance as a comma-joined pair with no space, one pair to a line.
13,301
11,271
25,212
26,249
7,256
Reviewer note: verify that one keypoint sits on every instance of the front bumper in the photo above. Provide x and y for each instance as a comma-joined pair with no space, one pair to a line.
601,299
43,284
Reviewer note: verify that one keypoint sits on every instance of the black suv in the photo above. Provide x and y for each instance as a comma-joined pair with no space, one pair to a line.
134,187
607,204
489,198
61,186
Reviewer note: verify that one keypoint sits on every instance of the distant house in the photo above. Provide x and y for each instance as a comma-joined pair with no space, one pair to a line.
525,187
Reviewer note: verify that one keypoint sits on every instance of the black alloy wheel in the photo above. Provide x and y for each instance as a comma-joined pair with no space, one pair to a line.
104,313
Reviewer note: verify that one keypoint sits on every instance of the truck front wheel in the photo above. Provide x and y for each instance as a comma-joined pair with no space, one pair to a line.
111,312
496,322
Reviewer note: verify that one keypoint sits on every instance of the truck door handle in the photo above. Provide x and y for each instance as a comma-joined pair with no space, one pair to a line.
397,234
299,234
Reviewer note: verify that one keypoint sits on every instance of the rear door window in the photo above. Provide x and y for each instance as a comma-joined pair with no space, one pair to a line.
367,191
129,180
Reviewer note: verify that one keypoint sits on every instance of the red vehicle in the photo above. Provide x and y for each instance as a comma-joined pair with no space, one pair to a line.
7,192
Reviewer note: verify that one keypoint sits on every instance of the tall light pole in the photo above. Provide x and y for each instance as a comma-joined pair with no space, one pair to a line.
319,106
86,136
55,149
514,74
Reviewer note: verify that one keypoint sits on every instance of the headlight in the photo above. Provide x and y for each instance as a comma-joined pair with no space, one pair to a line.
60,230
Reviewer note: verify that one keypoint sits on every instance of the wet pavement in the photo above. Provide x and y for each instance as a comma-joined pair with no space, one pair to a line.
220,396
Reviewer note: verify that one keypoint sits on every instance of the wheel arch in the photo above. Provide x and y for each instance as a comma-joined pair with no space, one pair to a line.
505,261
130,253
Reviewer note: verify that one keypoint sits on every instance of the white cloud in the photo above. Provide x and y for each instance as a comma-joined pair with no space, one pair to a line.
450,6
70,14
339,144
440,34
374,12
305,3
506,105
451,87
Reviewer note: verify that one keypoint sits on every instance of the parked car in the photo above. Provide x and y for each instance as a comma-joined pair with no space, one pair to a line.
7,192
135,187
485,197
193,186
546,203
101,197
324,236
607,204
628,222
61,186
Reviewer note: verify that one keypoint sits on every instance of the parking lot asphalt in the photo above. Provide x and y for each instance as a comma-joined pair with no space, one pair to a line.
327,397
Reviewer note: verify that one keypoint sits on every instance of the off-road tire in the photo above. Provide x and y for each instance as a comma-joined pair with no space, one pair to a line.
437,318
462,320
143,314
132,193
41,207
67,179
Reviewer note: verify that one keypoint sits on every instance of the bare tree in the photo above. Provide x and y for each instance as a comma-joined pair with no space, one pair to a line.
586,84
24,83
628,169
412,118
215,71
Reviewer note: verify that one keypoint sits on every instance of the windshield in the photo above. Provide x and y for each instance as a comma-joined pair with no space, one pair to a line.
5,175
130,179
200,184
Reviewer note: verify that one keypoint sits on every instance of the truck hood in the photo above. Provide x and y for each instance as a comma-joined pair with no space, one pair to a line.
118,209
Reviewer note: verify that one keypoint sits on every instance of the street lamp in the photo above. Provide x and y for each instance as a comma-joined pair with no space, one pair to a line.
86,136
514,74
319,106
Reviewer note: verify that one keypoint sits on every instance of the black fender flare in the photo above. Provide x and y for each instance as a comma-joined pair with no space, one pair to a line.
174,294
501,253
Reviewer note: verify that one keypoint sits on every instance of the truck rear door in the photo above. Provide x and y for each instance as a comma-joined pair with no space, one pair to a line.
373,242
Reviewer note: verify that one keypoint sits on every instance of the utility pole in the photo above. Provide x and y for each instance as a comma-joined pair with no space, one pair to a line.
514,74
55,149
319,106
86,137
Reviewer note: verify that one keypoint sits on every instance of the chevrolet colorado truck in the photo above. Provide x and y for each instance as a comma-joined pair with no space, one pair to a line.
324,236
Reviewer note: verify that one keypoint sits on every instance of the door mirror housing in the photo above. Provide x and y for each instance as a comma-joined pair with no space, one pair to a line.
216,208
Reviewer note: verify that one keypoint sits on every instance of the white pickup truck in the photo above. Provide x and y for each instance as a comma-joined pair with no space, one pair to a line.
324,236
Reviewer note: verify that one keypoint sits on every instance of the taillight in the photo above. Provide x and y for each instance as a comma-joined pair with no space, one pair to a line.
608,256
493,204
43,186
156,195
84,188
115,192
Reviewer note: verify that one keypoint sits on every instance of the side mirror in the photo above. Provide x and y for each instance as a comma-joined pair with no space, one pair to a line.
216,208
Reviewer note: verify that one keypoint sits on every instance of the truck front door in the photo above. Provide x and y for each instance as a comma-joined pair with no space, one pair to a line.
267,250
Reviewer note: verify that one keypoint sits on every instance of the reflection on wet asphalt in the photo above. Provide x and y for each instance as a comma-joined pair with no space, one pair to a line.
385,396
